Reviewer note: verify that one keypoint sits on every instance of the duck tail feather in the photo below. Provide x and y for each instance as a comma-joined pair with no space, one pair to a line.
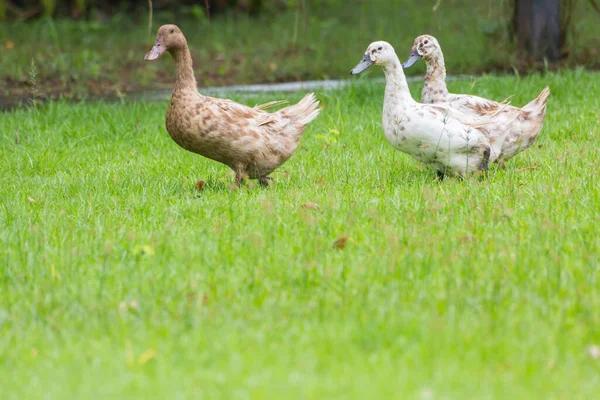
305,111
538,105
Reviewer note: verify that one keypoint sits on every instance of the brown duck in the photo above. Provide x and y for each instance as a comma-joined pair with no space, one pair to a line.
250,141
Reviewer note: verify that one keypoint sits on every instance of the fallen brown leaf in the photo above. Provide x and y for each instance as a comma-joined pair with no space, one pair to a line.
340,242
200,184
466,239
310,206
9,44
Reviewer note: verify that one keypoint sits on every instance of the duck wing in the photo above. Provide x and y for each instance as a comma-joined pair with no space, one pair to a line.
270,104
234,112
495,126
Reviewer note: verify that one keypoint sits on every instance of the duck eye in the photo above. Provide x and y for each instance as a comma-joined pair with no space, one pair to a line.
427,41
380,48
172,30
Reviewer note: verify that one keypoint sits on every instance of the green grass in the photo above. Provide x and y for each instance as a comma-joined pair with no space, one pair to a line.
118,278
91,58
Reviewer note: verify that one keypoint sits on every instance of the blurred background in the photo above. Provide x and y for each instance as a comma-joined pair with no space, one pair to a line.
95,48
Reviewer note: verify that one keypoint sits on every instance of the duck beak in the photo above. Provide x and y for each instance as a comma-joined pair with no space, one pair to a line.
362,65
156,51
412,59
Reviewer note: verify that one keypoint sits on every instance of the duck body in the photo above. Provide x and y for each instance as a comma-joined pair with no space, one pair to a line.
524,124
427,134
445,139
249,140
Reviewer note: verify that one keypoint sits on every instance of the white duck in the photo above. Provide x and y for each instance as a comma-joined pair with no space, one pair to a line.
445,139
527,121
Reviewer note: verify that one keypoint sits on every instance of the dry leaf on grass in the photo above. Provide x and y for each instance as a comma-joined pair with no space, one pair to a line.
529,167
466,239
340,242
200,184
310,206
146,356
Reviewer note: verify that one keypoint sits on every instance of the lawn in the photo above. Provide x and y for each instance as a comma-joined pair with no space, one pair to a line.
85,59
119,279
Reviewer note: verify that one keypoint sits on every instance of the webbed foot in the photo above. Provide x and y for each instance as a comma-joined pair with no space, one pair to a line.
265,181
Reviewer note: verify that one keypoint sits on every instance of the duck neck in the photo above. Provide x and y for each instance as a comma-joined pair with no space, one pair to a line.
183,65
396,87
435,77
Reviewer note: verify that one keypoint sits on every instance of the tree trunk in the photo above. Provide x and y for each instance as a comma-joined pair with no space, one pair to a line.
255,7
538,28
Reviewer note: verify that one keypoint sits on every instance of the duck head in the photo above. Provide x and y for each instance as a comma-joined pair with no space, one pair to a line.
425,46
378,53
169,38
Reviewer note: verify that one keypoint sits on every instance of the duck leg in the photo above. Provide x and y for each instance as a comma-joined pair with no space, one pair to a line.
264,181
484,166
239,178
